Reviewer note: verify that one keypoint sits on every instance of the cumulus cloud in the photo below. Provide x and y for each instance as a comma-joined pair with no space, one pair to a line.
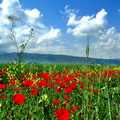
25,19
106,40
109,40
52,34
86,25
13,8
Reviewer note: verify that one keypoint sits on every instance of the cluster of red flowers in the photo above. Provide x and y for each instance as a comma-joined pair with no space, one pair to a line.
64,83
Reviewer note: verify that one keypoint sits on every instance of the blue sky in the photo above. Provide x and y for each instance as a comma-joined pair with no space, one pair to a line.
50,9
63,26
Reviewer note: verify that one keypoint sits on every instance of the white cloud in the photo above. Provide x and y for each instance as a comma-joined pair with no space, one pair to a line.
25,20
107,40
87,25
108,44
11,7
52,34
34,17
110,40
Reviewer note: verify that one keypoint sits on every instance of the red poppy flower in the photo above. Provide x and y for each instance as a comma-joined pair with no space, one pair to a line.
74,108
81,86
58,80
49,85
41,83
27,83
67,90
88,76
72,86
67,98
56,102
62,114
66,80
18,98
57,89
34,92
62,85
89,90
80,82
27,74
2,96
88,85
2,86
93,80
64,104
46,76
95,91
23,79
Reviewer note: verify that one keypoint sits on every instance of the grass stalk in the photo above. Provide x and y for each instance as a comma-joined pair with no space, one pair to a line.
109,106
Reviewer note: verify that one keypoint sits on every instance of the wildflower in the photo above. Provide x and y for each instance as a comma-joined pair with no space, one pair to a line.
18,98
45,76
67,80
67,98
22,79
34,86
80,82
62,85
88,85
93,80
88,76
74,82
95,91
41,83
34,92
4,72
81,86
27,74
2,96
89,90
74,108
67,90
2,86
27,83
56,102
57,89
0,79
65,104
44,97
49,85
72,86
62,114
58,80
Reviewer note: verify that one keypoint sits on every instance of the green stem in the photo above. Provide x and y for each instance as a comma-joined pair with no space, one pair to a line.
109,107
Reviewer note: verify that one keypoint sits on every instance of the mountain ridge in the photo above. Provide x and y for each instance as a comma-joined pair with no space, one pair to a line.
37,58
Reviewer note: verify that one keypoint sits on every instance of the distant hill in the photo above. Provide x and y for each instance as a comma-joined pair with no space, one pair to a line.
56,59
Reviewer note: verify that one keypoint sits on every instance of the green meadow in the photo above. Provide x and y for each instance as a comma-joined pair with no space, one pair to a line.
59,92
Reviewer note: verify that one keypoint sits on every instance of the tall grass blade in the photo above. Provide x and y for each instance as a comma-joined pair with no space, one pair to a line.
87,49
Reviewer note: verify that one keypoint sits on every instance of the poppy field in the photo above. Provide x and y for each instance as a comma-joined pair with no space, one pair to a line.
59,92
